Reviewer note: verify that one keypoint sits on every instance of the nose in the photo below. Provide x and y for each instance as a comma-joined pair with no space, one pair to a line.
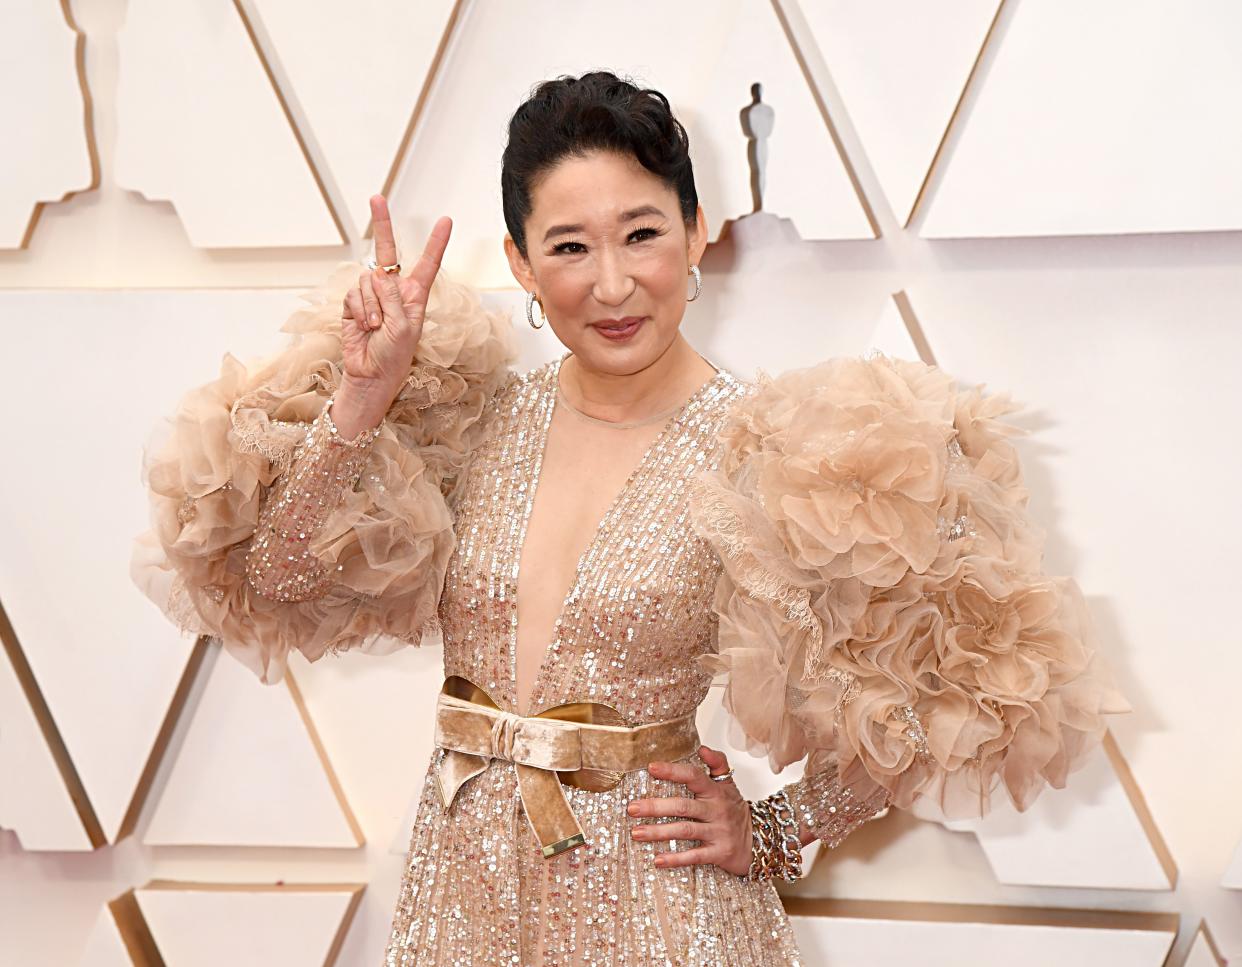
613,282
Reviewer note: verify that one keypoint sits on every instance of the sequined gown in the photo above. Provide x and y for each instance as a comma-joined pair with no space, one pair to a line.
958,666
272,535
475,887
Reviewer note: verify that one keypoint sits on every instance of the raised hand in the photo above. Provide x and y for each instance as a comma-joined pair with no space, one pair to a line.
382,318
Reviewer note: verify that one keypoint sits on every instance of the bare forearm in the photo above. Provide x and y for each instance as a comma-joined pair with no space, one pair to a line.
359,407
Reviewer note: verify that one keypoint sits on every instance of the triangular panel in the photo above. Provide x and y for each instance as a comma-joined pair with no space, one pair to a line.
900,67
358,119
1101,118
897,332
48,150
250,772
1203,951
248,925
953,934
114,942
225,154
41,797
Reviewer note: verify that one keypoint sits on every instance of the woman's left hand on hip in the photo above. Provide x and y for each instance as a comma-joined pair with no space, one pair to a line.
717,816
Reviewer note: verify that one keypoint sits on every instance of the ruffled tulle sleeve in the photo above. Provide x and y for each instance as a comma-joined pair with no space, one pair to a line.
252,447
882,608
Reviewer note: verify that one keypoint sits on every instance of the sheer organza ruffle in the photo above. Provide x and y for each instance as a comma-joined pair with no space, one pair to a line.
882,596
209,467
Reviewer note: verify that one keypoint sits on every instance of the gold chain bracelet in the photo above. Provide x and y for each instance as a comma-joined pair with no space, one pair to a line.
776,849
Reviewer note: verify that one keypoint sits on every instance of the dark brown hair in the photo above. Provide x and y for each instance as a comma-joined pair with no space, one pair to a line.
571,116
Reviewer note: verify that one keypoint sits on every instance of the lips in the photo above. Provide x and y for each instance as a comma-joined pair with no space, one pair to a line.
617,323
618,329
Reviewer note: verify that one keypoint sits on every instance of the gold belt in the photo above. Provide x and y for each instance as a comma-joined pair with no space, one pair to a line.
582,744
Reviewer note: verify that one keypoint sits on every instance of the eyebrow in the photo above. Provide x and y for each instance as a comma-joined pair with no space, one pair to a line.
629,216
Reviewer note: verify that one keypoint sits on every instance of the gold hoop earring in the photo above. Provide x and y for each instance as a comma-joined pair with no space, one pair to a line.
530,311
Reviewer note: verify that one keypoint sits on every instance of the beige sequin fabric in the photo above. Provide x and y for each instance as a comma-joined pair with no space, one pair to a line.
476,888
840,543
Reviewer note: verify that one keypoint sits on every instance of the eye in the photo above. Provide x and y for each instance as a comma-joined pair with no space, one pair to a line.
640,234
646,232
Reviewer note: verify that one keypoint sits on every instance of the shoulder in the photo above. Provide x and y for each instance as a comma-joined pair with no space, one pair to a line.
518,399
863,379
536,376
726,391
843,401
733,385
522,387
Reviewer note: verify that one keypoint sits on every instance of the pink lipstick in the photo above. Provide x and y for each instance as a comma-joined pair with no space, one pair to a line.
619,329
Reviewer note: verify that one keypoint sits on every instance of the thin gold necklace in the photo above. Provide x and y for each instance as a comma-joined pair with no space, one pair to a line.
658,418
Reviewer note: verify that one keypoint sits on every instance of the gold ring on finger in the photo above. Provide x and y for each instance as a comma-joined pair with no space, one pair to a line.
390,269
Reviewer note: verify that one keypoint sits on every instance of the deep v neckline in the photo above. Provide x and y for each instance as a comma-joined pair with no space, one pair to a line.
539,446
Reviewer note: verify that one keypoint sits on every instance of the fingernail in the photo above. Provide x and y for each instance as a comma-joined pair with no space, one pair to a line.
374,317
631,808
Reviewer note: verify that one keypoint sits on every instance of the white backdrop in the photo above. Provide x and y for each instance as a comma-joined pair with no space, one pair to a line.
1038,195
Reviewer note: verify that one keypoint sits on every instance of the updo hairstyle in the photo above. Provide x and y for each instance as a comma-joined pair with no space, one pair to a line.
571,116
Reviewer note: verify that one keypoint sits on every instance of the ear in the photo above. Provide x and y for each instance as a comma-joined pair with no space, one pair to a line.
518,265
696,237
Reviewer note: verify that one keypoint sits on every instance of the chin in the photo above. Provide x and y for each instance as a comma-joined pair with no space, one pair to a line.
620,359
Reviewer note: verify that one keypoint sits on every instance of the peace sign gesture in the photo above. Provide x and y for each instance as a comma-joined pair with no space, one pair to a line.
382,318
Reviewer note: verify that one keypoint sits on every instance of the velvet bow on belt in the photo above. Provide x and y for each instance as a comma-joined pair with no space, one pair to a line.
583,744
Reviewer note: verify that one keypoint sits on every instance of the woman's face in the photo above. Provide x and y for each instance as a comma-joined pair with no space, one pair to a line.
608,256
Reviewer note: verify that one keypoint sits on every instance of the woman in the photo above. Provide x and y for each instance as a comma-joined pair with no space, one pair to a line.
846,543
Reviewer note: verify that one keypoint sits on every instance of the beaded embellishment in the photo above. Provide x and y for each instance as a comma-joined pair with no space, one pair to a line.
280,565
